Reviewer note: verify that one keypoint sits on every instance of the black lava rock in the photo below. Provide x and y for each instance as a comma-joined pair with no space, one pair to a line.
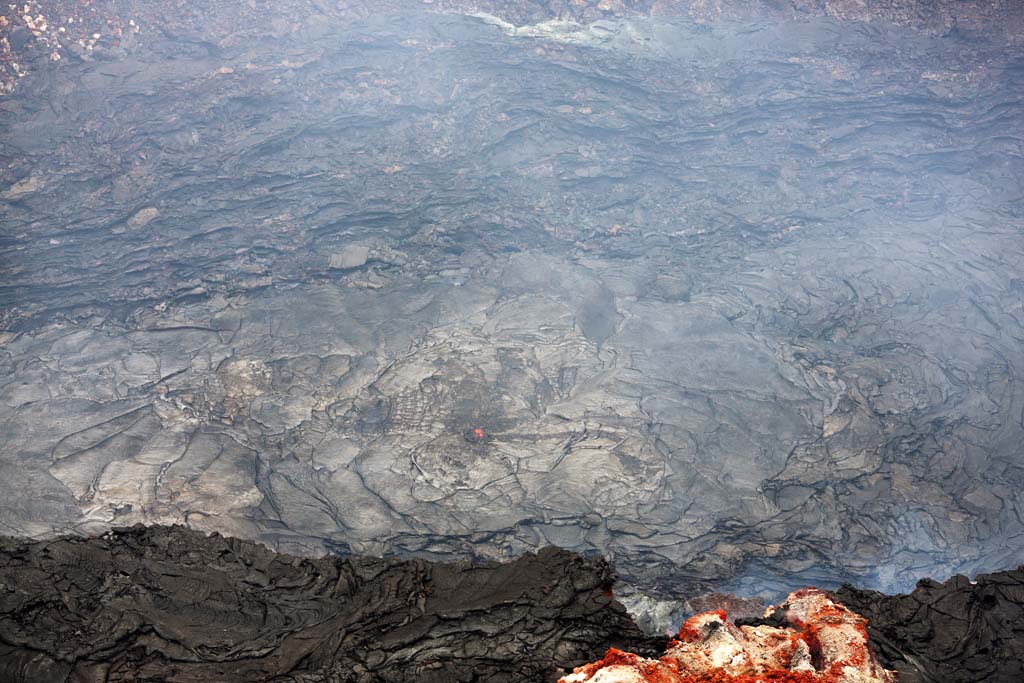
170,604
952,632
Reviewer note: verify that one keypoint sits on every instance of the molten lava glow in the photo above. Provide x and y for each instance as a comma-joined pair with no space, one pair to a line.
817,640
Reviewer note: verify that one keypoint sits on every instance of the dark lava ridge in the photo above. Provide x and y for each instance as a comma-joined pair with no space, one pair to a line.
171,604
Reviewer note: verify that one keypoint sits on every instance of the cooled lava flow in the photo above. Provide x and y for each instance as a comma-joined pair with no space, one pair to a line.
808,639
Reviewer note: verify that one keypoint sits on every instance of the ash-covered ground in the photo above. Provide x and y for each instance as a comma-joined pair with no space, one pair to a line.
734,300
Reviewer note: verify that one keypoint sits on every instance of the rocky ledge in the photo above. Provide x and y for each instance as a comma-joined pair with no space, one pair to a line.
959,631
171,604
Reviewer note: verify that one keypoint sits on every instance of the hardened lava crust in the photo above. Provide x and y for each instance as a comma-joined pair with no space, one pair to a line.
170,604
174,605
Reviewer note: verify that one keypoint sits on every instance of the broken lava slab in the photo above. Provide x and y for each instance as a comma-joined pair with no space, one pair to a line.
810,638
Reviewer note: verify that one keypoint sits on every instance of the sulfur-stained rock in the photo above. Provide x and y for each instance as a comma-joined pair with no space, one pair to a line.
808,639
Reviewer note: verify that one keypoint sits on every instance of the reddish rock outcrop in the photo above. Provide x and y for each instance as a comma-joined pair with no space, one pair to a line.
808,639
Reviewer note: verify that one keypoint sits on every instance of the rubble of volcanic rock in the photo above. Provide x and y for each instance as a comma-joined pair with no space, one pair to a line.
809,639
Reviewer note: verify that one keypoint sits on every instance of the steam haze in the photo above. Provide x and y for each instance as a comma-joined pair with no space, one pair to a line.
737,304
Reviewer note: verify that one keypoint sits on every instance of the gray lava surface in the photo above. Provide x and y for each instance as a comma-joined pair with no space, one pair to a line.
738,304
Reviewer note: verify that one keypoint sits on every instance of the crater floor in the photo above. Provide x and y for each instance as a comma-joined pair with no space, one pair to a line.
737,304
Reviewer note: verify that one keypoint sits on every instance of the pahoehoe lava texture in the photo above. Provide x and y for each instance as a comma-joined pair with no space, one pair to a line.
169,604
739,304
960,631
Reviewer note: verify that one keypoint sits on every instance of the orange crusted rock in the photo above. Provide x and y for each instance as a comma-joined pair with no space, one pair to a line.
809,639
